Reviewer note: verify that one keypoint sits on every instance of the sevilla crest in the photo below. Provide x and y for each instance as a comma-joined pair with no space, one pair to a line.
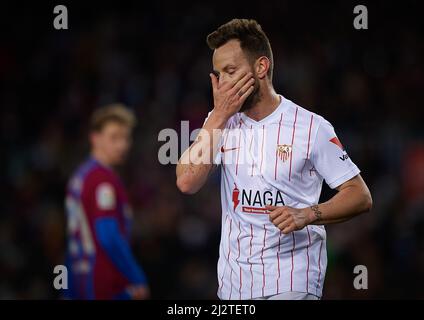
284,151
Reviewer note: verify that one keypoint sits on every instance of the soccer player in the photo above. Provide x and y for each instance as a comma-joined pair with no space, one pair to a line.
274,156
99,259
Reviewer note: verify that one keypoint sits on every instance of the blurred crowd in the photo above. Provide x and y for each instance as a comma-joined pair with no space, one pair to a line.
153,57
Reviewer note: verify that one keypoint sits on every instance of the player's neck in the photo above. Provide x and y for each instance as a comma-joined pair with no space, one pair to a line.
269,101
101,158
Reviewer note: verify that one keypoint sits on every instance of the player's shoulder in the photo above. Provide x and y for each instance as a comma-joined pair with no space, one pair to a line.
91,173
304,114
100,174
78,177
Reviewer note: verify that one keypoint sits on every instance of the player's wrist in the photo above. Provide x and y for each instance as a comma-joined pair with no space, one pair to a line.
219,117
314,214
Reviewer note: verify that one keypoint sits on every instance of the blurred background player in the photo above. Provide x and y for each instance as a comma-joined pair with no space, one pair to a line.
99,259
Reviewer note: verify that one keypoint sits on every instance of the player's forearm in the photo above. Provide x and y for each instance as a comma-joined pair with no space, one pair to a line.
197,161
349,202
118,250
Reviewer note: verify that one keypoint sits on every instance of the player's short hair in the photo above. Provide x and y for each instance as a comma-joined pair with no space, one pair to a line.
117,113
253,40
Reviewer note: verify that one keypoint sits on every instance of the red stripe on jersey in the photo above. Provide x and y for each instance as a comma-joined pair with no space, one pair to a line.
250,150
238,257
262,152
292,261
248,261
228,258
263,265
307,255
291,155
309,139
223,271
276,151
223,155
238,150
241,121
319,264
278,262
309,136
223,158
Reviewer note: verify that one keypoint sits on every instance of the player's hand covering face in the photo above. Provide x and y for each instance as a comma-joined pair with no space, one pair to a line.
230,95
234,81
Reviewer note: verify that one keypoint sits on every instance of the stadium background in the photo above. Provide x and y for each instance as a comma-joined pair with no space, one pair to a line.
153,57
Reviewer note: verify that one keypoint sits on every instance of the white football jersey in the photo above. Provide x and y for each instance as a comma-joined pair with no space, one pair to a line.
280,160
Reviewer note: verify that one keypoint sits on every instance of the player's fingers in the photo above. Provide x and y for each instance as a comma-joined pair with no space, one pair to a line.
283,226
246,86
280,219
283,219
247,79
289,229
275,213
214,81
244,95
242,75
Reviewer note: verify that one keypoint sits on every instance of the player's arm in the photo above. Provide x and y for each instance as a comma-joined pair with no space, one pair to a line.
109,236
197,161
118,250
352,198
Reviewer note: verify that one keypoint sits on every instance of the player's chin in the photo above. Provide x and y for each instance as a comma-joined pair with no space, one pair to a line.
120,159
251,100
248,104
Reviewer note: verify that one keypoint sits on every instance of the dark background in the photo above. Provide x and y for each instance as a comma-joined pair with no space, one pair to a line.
152,56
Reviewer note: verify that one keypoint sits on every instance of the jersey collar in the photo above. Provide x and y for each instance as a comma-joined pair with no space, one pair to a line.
275,114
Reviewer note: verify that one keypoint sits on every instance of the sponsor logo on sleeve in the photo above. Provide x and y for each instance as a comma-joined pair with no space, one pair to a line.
337,142
105,196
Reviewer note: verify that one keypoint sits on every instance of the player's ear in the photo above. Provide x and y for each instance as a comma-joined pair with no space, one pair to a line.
262,65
